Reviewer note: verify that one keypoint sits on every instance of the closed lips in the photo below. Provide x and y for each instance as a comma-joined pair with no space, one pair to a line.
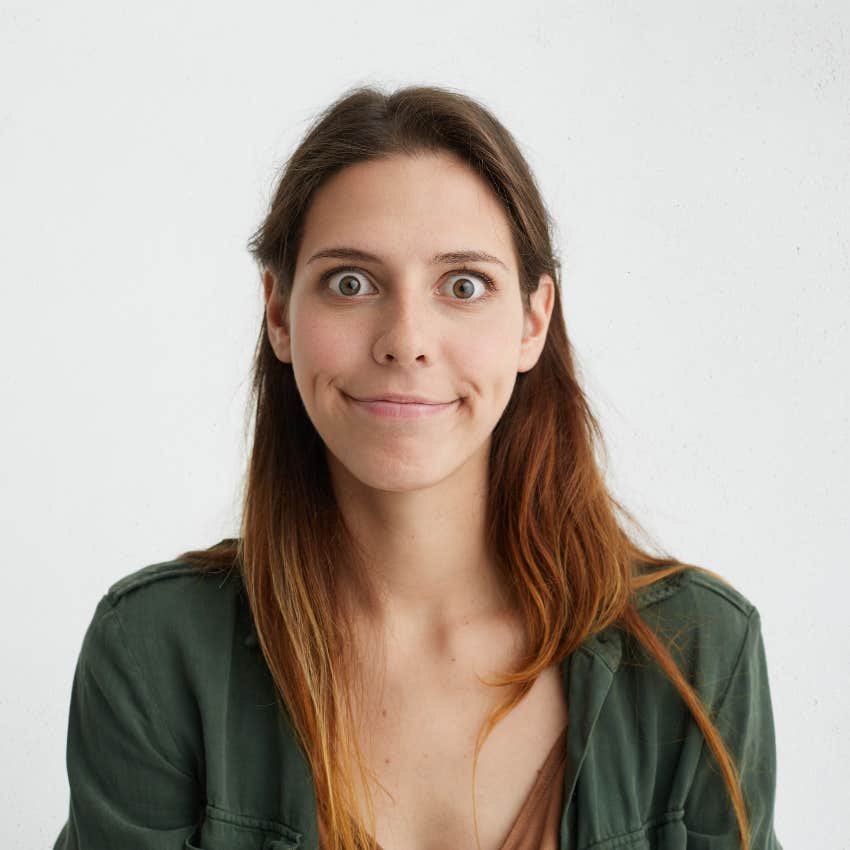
402,399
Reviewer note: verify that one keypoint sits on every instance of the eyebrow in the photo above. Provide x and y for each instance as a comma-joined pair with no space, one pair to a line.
445,258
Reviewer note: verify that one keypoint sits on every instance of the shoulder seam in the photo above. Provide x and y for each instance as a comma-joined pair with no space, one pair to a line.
730,594
671,584
147,575
752,622
660,589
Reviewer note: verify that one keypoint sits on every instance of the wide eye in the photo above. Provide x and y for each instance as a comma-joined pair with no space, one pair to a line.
349,281
463,285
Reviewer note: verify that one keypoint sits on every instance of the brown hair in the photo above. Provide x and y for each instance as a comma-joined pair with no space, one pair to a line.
557,532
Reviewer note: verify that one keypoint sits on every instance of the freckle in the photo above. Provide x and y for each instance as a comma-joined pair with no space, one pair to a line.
386,761
383,712
452,659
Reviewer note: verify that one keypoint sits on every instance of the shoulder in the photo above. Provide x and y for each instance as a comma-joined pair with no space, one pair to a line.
708,590
152,658
704,622
163,587
696,599
173,613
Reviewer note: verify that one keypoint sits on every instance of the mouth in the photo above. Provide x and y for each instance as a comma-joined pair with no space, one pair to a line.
401,410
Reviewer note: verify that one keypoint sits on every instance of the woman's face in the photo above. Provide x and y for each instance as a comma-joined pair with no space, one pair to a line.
406,320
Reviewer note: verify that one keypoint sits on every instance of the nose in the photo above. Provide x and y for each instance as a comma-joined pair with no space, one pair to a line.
405,335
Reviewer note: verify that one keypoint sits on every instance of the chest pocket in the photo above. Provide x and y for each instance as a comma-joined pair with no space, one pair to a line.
225,830
666,832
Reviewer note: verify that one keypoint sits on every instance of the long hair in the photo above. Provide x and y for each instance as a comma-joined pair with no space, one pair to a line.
559,536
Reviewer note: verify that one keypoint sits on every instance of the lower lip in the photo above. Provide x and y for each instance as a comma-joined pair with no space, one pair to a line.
396,410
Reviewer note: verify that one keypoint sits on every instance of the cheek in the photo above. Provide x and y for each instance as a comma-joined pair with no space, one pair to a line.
320,354
318,346
489,361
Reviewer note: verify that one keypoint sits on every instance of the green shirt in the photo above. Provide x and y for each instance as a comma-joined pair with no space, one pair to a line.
175,739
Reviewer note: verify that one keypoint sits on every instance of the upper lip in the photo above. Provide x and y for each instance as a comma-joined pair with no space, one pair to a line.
402,399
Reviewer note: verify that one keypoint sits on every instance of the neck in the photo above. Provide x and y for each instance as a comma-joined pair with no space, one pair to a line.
427,564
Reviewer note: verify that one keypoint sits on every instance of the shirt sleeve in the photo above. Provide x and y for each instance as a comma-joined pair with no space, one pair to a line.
744,718
128,789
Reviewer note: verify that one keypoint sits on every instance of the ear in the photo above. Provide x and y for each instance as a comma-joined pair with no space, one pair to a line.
536,323
277,325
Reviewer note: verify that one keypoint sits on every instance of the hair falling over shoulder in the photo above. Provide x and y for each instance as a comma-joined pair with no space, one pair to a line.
558,532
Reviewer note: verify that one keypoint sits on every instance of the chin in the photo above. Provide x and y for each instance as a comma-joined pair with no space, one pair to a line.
394,475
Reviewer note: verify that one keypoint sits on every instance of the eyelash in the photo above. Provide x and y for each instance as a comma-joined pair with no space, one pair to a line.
489,283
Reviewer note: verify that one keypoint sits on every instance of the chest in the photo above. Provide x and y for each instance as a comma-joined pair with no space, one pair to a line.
418,738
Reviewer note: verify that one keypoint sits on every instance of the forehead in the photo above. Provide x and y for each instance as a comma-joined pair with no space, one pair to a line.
405,207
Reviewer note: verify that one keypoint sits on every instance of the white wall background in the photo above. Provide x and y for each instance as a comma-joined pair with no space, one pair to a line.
697,159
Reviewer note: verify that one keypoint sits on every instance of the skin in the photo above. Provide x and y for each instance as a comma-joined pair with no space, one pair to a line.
414,491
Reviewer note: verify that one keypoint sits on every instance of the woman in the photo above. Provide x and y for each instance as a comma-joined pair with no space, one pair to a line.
429,559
